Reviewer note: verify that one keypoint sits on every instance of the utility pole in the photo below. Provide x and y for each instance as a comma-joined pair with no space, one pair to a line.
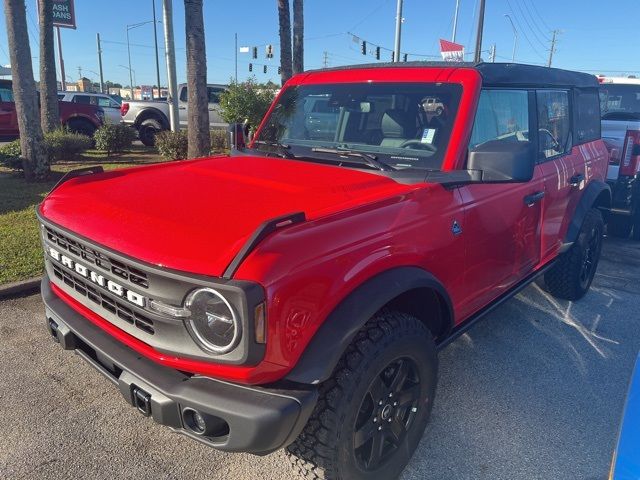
130,70
478,52
325,60
396,56
155,39
236,44
100,64
553,47
63,80
170,55
455,22
492,53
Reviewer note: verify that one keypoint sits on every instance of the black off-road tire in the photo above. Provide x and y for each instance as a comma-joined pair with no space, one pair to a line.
388,345
147,131
619,226
571,277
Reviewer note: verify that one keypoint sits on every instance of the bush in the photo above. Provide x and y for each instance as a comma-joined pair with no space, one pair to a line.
219,141
10,155
172,145
64,145
247,102
114,138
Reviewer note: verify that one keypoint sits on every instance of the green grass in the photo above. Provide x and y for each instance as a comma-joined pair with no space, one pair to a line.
20,249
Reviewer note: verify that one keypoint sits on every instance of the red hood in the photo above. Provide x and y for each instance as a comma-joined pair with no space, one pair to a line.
195,216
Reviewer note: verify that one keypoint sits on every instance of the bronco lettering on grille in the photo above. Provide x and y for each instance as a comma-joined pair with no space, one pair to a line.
98,279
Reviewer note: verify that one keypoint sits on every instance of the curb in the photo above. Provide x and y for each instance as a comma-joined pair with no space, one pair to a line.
17,289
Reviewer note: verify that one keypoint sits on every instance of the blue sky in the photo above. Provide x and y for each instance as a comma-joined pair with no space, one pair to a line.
595,36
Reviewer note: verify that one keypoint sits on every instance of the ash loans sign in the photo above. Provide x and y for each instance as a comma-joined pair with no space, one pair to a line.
63,13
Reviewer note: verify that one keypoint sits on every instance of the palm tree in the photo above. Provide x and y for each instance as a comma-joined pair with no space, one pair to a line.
35,159
298,36
284,19
49,116
198,98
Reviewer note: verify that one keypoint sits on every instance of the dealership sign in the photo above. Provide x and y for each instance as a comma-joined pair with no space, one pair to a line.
451,52
63,13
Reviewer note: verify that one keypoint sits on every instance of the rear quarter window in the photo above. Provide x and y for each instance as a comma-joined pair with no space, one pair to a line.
587,124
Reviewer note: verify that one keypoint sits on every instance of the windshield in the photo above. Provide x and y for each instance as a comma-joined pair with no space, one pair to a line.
398,125
620,101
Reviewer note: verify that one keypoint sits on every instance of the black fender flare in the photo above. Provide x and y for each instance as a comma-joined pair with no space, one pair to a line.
323,352
598,194
151,112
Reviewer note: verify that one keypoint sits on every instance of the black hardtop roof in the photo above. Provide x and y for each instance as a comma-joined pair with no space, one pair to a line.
499,74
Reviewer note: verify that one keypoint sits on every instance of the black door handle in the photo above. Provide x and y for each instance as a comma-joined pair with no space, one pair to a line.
576,180
531,200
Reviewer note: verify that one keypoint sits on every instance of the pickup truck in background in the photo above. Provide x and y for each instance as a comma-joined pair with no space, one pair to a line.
149,117
620,109
80,118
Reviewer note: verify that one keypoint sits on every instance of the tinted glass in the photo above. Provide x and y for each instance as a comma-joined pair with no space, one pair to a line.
620,101
6,95
501,115
587,122
85,99
554,122
214,94
404,125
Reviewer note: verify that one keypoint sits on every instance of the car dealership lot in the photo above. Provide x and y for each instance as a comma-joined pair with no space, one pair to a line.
533,391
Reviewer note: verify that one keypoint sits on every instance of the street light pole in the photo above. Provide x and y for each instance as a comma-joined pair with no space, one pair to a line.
478,51
132,80
155,39
515,38
455,22
396,54
170,54
130,70
131,27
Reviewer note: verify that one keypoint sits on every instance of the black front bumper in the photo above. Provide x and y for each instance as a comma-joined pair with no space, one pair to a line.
246,419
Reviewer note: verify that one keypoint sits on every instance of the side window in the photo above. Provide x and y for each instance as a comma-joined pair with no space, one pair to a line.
183,95
214,94
85,99
6,95
60,96
502,115
105,102
587,124
554,122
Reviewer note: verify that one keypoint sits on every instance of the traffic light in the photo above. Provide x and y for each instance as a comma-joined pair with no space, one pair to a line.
364,47
279,70
264,69
255,52
393,56
377,53
269,51
251,67
404,59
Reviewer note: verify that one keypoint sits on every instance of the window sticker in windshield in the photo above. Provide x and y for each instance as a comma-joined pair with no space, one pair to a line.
427,135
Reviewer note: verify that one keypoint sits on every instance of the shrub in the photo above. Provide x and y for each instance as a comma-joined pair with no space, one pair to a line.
247,102
64,145
172,145
219,141
10,155
114,138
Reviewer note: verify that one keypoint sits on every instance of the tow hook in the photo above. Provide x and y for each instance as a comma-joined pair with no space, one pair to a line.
142,400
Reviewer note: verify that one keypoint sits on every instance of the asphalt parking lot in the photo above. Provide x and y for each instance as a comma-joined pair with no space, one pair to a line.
534,391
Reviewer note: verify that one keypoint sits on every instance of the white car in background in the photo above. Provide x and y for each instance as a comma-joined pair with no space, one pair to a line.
110,106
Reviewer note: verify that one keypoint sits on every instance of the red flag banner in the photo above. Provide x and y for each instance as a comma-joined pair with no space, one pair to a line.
451,52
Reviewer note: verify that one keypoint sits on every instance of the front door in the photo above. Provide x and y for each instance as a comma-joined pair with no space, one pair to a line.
502,221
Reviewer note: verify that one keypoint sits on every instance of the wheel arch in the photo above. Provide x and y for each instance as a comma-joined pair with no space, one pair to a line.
410,290
151,112
597,194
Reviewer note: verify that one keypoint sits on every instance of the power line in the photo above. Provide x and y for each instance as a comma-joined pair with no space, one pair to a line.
544,24
526,20
526,37
534,21
370,14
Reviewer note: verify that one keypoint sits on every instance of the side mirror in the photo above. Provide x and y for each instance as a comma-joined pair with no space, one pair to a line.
238,136
503,161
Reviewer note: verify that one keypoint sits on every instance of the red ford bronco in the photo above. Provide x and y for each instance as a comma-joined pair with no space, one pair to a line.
295,293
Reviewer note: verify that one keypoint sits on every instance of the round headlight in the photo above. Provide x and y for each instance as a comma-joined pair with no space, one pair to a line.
213,321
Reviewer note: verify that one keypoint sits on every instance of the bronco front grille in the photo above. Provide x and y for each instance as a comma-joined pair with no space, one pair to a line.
97,258
99,298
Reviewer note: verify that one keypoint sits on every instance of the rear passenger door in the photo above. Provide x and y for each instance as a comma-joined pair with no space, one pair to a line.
215,120
502,220
563,165
8,115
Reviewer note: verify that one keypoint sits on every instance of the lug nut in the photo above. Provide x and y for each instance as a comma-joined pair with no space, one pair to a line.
379,428
389,420
390,395
375,419
380,402
395,404
414,409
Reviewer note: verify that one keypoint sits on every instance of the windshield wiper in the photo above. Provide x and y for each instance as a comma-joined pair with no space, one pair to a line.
282,148
369,158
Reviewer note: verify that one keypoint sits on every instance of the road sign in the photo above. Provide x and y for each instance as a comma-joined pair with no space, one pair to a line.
64,14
